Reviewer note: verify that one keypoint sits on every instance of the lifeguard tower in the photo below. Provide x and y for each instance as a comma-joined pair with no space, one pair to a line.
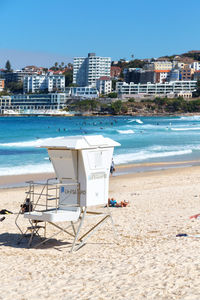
82,167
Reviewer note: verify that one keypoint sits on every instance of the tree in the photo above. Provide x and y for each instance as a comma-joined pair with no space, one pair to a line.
116,106
8,66
15,87
68,78
131,100
112,95
114,84
70,65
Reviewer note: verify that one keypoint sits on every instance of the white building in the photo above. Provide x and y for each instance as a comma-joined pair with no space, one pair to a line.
86,70
195,65
127,90
33,103
104,85
37,83
84,92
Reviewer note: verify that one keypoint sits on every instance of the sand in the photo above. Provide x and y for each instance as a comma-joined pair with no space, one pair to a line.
149,262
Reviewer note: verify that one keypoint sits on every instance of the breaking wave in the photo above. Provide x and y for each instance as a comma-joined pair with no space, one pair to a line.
144,155
136,120
31,143
185,129
26,169
129,131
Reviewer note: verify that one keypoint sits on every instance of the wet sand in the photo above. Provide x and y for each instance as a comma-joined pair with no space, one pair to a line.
20,180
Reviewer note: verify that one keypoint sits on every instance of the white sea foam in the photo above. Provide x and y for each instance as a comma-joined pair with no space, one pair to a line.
190,118
129,131
168,148
26,169
31,143
139,121
144,155
136,120
185,129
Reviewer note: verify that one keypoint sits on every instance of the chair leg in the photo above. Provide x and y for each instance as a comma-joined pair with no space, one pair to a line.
73,227
112,223
78,230
22,237
90,232
31,238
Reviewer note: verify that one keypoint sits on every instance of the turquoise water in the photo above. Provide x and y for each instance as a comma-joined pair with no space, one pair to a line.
142,139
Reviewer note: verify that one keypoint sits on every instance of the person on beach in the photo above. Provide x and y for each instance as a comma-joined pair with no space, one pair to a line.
112,167
113,203
27,206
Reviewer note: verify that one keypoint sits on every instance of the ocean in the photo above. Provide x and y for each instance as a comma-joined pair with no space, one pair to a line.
142,139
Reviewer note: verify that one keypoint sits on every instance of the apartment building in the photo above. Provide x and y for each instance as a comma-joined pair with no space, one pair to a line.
159,65
104,85
138,75
173,75
195,65
2,84
87,92
196,75
33,102
126,90
87,70
186,73
16,76
162,65
33,70
37,83
161,76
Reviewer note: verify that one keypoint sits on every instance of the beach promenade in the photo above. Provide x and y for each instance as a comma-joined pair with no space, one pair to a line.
149,262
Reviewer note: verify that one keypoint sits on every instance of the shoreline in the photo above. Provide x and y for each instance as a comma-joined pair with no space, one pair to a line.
21,180
186,114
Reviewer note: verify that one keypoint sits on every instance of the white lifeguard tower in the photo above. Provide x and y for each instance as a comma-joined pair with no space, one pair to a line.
82,167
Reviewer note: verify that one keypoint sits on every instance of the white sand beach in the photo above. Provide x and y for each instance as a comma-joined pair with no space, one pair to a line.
149,262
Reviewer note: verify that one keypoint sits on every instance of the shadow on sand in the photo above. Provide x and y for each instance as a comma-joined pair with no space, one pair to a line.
12,240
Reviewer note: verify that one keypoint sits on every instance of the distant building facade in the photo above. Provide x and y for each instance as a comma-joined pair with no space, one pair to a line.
197,75
161,76
126,90
32,103
16,76
87,70
195,65
104,85
2,84
138,75
37,83
86,92
159,65
173,75
33,70
162,65
186,73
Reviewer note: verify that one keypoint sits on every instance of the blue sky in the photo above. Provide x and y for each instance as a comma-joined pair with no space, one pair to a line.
41,32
